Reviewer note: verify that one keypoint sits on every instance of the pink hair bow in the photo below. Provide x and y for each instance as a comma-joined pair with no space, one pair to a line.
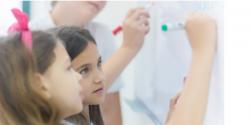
22,26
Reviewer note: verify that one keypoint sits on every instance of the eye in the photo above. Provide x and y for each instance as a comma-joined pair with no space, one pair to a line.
99,64
84,71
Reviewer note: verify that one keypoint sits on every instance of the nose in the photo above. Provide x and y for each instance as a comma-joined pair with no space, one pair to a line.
100,77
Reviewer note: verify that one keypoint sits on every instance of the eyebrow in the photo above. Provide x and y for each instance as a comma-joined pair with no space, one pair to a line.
83,65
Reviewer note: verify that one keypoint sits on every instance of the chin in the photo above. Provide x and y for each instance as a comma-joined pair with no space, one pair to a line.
74,111
98,101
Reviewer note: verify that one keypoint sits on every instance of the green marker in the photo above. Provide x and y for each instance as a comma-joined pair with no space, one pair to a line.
164,27
172,26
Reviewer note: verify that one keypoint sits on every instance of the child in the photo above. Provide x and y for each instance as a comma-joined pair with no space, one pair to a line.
81,45
37,83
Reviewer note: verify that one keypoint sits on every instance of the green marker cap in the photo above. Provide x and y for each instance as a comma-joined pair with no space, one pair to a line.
164,27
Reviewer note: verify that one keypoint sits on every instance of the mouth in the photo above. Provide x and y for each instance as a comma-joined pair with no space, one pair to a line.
99,91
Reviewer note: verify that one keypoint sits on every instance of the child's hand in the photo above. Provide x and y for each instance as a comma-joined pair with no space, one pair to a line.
135,27
172,105
202,32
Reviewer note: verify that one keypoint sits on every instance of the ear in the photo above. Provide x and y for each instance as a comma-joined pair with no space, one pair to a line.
42,85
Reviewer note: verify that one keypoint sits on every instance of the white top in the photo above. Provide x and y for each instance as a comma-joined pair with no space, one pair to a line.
101,33
164,60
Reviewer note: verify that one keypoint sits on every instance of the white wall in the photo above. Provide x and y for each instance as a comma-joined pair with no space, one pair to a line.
6,17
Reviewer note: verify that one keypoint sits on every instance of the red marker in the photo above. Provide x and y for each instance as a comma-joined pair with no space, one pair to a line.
119,28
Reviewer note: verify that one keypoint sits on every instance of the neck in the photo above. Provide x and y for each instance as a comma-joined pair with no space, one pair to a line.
86,109
59,18
85,113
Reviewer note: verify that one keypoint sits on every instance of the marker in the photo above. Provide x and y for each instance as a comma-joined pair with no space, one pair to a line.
119,28
172,26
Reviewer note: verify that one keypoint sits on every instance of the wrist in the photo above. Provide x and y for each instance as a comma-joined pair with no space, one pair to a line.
132,46
130,49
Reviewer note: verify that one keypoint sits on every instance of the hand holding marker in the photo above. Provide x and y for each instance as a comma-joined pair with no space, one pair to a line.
119,28
164,27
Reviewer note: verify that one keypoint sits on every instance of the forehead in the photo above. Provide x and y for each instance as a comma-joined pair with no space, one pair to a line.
89,55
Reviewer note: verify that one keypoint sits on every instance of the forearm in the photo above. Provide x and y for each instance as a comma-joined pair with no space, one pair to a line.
191,106
117,62
135,27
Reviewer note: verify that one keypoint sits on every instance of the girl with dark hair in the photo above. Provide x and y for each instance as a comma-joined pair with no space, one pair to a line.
86,60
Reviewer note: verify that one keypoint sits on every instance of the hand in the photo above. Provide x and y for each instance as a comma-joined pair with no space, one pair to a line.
172,105
201,31
135,27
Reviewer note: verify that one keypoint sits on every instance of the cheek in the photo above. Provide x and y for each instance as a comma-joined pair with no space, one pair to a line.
70,81
69,77
86,86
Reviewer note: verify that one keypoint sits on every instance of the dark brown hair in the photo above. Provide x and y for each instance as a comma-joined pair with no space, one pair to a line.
76,40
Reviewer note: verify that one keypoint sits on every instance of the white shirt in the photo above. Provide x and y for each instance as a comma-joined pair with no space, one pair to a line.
165,58
101,33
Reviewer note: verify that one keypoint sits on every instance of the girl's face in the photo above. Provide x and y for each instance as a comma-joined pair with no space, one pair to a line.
62,83
89,65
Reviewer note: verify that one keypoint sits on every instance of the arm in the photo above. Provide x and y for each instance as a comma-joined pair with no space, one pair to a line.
133,35
134,32
191,106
